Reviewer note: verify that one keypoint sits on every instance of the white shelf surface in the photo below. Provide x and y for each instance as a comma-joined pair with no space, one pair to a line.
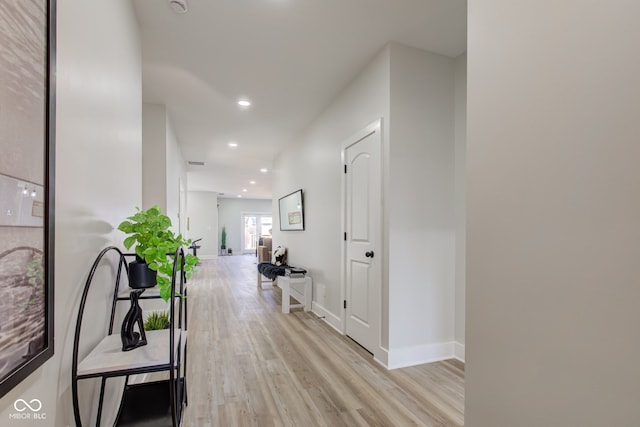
108,356
148,292
153,292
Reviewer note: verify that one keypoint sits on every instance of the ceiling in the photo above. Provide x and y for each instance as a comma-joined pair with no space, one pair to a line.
290,58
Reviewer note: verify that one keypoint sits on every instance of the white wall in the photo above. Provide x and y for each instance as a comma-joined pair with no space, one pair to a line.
154,156
313,163
98,179
553,212
203,222
413,92
163,167
176,175
421,201
460,93
230,215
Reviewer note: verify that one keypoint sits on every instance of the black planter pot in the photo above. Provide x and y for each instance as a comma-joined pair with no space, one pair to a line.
140,276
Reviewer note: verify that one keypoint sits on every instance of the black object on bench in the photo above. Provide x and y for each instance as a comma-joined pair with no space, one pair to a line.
295,272
272,271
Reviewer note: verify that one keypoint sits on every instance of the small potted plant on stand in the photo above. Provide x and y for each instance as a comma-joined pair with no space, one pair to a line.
157,320
150,230
223,240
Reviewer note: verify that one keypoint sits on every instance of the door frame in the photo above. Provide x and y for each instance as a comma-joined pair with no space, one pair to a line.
376,126
182,208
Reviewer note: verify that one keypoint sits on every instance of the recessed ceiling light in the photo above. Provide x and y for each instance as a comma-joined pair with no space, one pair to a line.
244,103
239,195
233,144
252,182
264,170
244,190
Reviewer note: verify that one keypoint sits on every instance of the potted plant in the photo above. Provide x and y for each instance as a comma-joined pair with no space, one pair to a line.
149,230
157,321
223,239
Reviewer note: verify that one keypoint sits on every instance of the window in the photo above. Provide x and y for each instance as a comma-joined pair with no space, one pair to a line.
254,226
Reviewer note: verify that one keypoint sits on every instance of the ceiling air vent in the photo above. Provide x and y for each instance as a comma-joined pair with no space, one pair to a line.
192,163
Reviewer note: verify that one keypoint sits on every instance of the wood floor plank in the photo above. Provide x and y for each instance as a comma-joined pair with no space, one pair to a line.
251,365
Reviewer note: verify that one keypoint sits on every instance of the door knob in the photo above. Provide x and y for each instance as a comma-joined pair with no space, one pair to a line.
369,254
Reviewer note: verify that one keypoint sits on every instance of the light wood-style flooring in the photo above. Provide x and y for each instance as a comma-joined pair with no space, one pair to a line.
251,365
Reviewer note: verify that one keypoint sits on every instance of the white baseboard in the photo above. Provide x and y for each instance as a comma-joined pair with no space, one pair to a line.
331,319
417,355
459,351
381,356
399,358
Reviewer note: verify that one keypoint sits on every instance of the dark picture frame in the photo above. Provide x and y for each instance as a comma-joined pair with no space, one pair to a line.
291,209
27,145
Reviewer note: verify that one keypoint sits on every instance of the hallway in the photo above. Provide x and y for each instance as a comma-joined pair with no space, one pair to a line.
249,364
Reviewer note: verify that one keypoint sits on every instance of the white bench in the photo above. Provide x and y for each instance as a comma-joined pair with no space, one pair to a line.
298,288
262,279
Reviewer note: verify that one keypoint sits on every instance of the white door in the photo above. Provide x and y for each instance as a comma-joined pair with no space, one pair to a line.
363,213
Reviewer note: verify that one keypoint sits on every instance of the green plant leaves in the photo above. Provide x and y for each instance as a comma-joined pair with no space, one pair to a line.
156,321
166,269
129,241
165,287
156,244
126,227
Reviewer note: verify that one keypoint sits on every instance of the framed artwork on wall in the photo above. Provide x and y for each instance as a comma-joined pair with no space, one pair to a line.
27,119
291,211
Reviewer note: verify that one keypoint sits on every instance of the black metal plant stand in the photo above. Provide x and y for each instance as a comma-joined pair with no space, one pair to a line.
157,403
